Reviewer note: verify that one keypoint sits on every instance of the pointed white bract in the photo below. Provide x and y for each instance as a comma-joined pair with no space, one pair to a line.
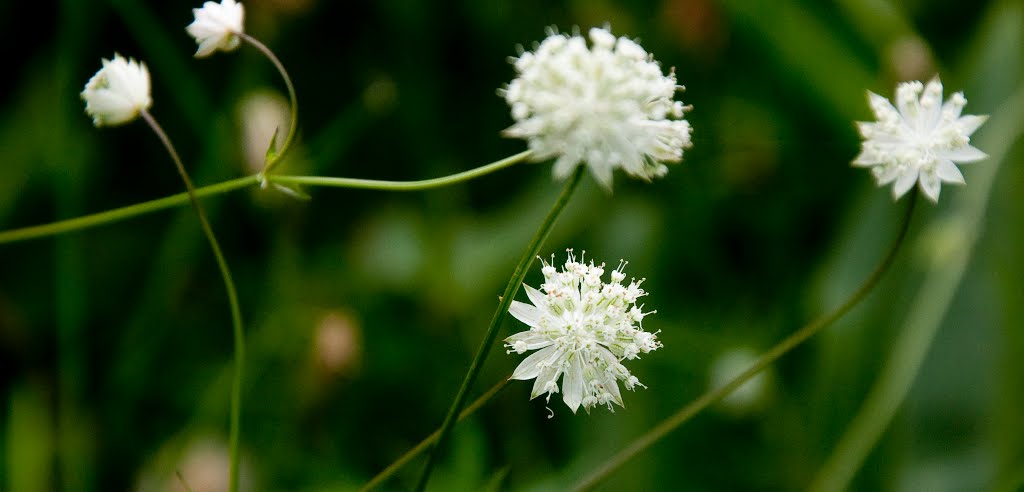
581,328
118,92
608,105
217,27
920,140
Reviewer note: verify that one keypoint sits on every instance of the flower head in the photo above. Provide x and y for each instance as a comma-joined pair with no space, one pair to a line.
217,27
583,328
118,92
608,105
920,140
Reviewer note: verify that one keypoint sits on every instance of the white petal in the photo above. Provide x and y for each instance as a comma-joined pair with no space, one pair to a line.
533,339
541,386
904,183
612,386
964,155
536,297
971,122
530,367
930,185
875,99
865,159
526,313
603,175
564,166
948,172
206,48
572,384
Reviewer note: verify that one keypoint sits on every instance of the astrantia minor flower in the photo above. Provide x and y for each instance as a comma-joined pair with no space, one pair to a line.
217,27
608,105
581,328
920,140
118,92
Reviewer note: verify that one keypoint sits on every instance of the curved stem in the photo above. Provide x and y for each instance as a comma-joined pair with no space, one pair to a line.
276,156
229,284
707,399
373,184
492,331
110,216
431,439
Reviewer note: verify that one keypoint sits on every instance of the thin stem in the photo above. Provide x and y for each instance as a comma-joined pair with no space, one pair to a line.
372,184
492,331
431,439
117,214
782,348
293,126
236,313
110,216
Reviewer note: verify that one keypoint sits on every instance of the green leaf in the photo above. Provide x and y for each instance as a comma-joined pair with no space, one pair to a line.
272,150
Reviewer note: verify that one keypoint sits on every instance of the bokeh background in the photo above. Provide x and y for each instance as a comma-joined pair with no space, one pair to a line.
363,309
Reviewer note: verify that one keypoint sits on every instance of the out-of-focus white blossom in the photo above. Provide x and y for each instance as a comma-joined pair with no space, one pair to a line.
920,140
118,92
217,27
583,328
608,105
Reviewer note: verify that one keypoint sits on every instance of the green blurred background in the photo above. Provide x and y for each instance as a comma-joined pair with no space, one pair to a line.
363,309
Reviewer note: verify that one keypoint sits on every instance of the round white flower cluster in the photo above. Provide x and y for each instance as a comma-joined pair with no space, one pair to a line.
583,328
608,105
217,26
118,92
920,140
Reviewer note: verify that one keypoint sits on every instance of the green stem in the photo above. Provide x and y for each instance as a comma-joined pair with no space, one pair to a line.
110,216
372,184
229,284
117,214
711,397
276,157
431,439
492,331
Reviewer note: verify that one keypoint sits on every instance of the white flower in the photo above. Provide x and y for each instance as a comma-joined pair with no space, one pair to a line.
608,105
920,140
583,328
118,92
217,26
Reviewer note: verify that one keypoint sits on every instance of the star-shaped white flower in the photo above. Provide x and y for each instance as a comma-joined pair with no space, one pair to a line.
581,328
217,27
118,92
608,105
920,140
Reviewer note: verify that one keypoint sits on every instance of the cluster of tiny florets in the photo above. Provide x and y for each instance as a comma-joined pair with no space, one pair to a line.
582,328
217,26
920,140
118,92
608,105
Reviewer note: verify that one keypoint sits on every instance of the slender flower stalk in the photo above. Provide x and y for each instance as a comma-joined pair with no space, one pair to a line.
180,199
423,445
219,26
925,313
782,348
236,312
499,315
275,155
